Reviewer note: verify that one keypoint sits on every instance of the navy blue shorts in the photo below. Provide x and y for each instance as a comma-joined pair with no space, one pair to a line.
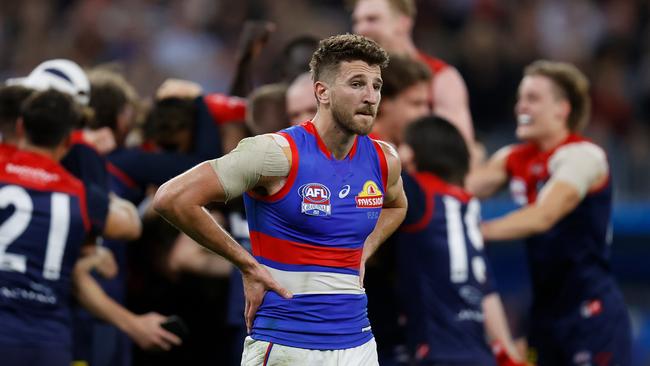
598,333
35,356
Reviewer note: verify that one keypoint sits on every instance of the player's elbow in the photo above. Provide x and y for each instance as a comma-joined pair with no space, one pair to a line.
164,200
123,221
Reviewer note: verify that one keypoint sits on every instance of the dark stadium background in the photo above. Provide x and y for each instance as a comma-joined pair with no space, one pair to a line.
490,41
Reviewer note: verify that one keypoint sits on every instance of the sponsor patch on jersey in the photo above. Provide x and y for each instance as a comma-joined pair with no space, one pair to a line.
370,196
518,191
315,199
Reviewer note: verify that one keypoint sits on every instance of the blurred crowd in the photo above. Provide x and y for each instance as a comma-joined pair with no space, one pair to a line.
149,41
488,40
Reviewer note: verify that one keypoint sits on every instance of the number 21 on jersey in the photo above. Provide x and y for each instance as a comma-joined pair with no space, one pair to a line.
16,224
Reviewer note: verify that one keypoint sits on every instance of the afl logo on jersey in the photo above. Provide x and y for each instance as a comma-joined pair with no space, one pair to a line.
315,199
370,196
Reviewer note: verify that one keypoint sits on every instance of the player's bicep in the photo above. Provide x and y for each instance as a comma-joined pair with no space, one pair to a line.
582,165
451,101
254,158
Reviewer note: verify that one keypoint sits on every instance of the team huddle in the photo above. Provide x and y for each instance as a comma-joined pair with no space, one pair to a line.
383,150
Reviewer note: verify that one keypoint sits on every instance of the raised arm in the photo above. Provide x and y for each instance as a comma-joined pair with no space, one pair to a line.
393,210
574,170
451,101
483,181
181,201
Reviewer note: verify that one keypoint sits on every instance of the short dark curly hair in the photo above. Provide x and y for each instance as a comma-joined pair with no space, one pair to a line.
345,47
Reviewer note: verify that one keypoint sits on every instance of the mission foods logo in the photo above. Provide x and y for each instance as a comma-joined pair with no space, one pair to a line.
315,199
370,196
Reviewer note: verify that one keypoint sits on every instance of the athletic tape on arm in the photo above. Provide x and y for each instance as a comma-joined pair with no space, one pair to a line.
254,157
580,164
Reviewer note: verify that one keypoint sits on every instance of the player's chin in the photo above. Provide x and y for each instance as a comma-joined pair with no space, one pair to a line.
362,123
525,133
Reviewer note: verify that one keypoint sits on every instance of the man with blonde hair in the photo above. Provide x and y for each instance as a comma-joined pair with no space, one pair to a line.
563,184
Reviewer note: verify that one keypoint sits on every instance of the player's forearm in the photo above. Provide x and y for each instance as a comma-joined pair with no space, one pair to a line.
522,223
93,298
484,181
496,325
197,223
389,220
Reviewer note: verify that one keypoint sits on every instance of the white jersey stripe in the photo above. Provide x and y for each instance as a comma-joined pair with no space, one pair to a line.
311,283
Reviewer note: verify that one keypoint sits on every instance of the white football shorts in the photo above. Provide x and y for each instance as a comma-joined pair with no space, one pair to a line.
262,353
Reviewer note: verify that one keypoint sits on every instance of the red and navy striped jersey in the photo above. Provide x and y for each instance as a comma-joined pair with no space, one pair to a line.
310,236
570,262
43,222
443,273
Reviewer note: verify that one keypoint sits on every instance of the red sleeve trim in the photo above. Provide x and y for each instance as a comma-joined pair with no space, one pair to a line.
84,208
291,178
383,164
311,129
77,138
121,176
600,187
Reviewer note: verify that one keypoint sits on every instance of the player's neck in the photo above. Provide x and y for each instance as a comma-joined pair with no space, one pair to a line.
55,154
338,141
404,47
552,141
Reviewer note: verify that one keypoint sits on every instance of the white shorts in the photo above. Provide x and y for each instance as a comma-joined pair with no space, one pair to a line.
261,353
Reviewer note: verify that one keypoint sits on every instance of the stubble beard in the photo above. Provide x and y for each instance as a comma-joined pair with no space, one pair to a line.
345,121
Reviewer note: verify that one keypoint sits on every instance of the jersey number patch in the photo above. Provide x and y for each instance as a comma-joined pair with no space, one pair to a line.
18,222
459,261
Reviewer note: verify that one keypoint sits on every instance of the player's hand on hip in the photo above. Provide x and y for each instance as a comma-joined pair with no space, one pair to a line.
256,282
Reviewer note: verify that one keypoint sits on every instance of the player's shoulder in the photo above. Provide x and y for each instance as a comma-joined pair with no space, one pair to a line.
579,152
583,147
36,171
388,148
435,64
392,158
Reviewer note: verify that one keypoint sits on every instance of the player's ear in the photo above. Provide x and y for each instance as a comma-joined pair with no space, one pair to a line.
565,109
322,92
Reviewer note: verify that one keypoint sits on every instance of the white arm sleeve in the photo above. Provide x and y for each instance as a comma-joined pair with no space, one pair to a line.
580,164
254,157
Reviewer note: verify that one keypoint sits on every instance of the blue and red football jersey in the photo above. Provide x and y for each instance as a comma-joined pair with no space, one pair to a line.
310,236
570,262
44,220
443,273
